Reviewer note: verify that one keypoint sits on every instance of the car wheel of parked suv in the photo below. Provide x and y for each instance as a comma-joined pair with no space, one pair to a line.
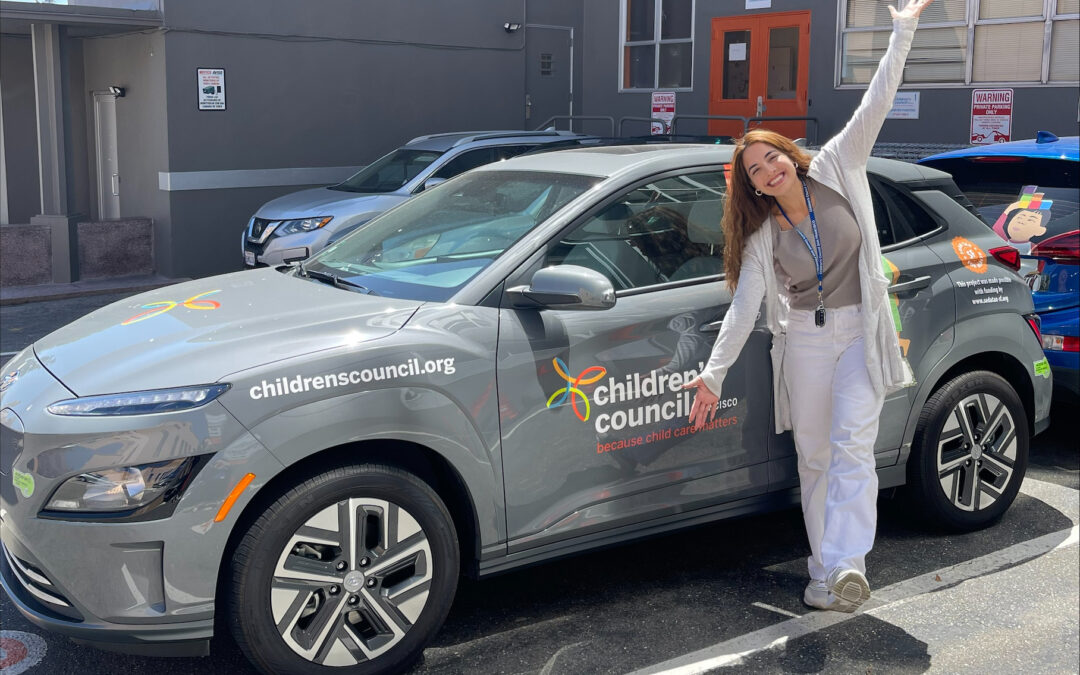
970,451
353,569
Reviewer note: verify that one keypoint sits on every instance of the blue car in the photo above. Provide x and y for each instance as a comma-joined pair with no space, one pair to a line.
1028,192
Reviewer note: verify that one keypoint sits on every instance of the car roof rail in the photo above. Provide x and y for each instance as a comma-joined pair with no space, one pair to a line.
512,134
470,136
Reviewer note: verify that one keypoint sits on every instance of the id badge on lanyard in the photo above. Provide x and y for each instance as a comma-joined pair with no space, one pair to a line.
815,252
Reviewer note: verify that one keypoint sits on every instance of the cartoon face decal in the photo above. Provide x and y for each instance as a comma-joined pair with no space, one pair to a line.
973,257
1023,219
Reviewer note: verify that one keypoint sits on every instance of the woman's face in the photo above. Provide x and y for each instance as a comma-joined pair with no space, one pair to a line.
1025,225
770,170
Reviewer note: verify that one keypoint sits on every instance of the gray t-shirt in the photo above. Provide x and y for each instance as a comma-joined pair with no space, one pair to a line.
840,242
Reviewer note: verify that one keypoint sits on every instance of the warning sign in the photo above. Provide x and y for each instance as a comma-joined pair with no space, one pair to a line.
991,116
211,88
663,109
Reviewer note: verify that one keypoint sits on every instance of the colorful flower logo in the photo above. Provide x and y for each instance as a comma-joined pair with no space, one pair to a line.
570,391
159,308
970,254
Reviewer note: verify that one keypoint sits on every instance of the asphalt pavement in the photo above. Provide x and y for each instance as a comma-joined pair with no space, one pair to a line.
718,598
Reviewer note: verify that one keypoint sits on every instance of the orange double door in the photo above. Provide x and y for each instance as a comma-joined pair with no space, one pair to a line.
760,67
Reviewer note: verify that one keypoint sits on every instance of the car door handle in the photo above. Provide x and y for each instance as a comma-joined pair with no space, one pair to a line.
908,286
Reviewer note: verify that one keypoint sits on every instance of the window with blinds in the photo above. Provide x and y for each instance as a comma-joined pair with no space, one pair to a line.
968,42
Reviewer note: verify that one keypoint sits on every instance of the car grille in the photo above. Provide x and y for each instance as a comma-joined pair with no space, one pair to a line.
36,587
260,229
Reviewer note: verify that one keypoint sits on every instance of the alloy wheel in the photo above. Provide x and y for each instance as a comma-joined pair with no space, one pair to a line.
976,452
351,582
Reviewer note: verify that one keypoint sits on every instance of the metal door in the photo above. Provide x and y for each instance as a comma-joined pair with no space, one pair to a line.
592,414
108,171
760,67
548,73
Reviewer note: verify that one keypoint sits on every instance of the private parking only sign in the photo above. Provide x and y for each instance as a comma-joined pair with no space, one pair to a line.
211,88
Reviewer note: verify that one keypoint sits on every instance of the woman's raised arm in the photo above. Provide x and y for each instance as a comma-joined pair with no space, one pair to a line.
857,138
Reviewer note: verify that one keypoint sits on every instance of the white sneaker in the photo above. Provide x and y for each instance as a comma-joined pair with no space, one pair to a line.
849,590
817,595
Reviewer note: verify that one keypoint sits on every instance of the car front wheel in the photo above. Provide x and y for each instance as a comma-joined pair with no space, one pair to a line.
352,570
970,451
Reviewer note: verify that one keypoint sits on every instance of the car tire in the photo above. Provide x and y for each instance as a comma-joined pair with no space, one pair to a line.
970,451
299,603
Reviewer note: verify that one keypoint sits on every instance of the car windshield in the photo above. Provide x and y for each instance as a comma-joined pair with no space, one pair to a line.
389,172
1025,200
430,246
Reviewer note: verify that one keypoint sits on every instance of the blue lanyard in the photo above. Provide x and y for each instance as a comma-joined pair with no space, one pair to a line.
819,263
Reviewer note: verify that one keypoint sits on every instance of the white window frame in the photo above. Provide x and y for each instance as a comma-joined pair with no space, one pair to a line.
658,7
1049,16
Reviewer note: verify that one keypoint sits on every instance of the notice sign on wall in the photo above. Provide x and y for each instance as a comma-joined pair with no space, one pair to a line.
991,116
663,110
211,88
905,106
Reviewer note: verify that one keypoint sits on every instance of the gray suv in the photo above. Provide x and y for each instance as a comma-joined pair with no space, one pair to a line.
485,377
297,225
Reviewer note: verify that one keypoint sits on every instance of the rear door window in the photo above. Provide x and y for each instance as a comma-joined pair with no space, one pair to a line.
1024,200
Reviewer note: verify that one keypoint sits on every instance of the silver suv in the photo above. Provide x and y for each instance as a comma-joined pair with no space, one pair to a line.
292,227
485,377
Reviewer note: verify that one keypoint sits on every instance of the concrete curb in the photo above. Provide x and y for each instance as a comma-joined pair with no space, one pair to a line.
17,295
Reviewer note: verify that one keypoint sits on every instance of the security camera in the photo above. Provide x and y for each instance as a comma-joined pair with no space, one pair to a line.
117,92
510,26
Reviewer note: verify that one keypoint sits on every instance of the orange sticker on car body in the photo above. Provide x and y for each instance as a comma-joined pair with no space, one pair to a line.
973,257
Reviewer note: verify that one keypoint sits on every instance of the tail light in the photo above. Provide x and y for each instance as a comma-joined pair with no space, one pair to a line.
1008,256
1062,248
1061,343
1035,321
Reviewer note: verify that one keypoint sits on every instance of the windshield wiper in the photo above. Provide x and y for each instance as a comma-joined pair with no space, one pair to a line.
333,280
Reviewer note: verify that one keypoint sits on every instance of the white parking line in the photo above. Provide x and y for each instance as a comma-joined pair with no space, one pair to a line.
733,651
773,608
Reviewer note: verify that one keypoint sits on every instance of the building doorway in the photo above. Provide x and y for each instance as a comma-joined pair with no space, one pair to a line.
108,171
759,67
549,76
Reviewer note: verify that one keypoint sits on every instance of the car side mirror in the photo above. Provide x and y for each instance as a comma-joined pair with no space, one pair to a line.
565,287
432,182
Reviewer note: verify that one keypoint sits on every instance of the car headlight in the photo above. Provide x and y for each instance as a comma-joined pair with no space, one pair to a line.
302,225
140,402
124,491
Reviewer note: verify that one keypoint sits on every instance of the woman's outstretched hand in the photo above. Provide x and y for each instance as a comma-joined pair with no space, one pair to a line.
910,10
705,402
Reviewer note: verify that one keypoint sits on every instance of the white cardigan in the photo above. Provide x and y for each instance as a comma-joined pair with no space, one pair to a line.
840,165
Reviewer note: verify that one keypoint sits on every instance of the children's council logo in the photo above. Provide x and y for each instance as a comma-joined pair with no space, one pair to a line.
970,254
570,391
159,308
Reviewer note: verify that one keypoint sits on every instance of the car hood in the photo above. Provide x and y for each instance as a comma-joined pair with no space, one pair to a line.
201,331
324,202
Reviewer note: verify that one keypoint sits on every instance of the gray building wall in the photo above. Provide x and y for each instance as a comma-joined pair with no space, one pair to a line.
137,63
20,128
335,87
944,112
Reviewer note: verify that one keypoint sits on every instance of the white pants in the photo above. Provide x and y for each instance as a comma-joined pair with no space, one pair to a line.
834,416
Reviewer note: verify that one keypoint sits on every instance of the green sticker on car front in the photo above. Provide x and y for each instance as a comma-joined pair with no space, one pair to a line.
1042,367
24,482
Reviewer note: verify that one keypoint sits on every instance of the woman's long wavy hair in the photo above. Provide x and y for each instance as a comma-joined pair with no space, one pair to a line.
744,211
